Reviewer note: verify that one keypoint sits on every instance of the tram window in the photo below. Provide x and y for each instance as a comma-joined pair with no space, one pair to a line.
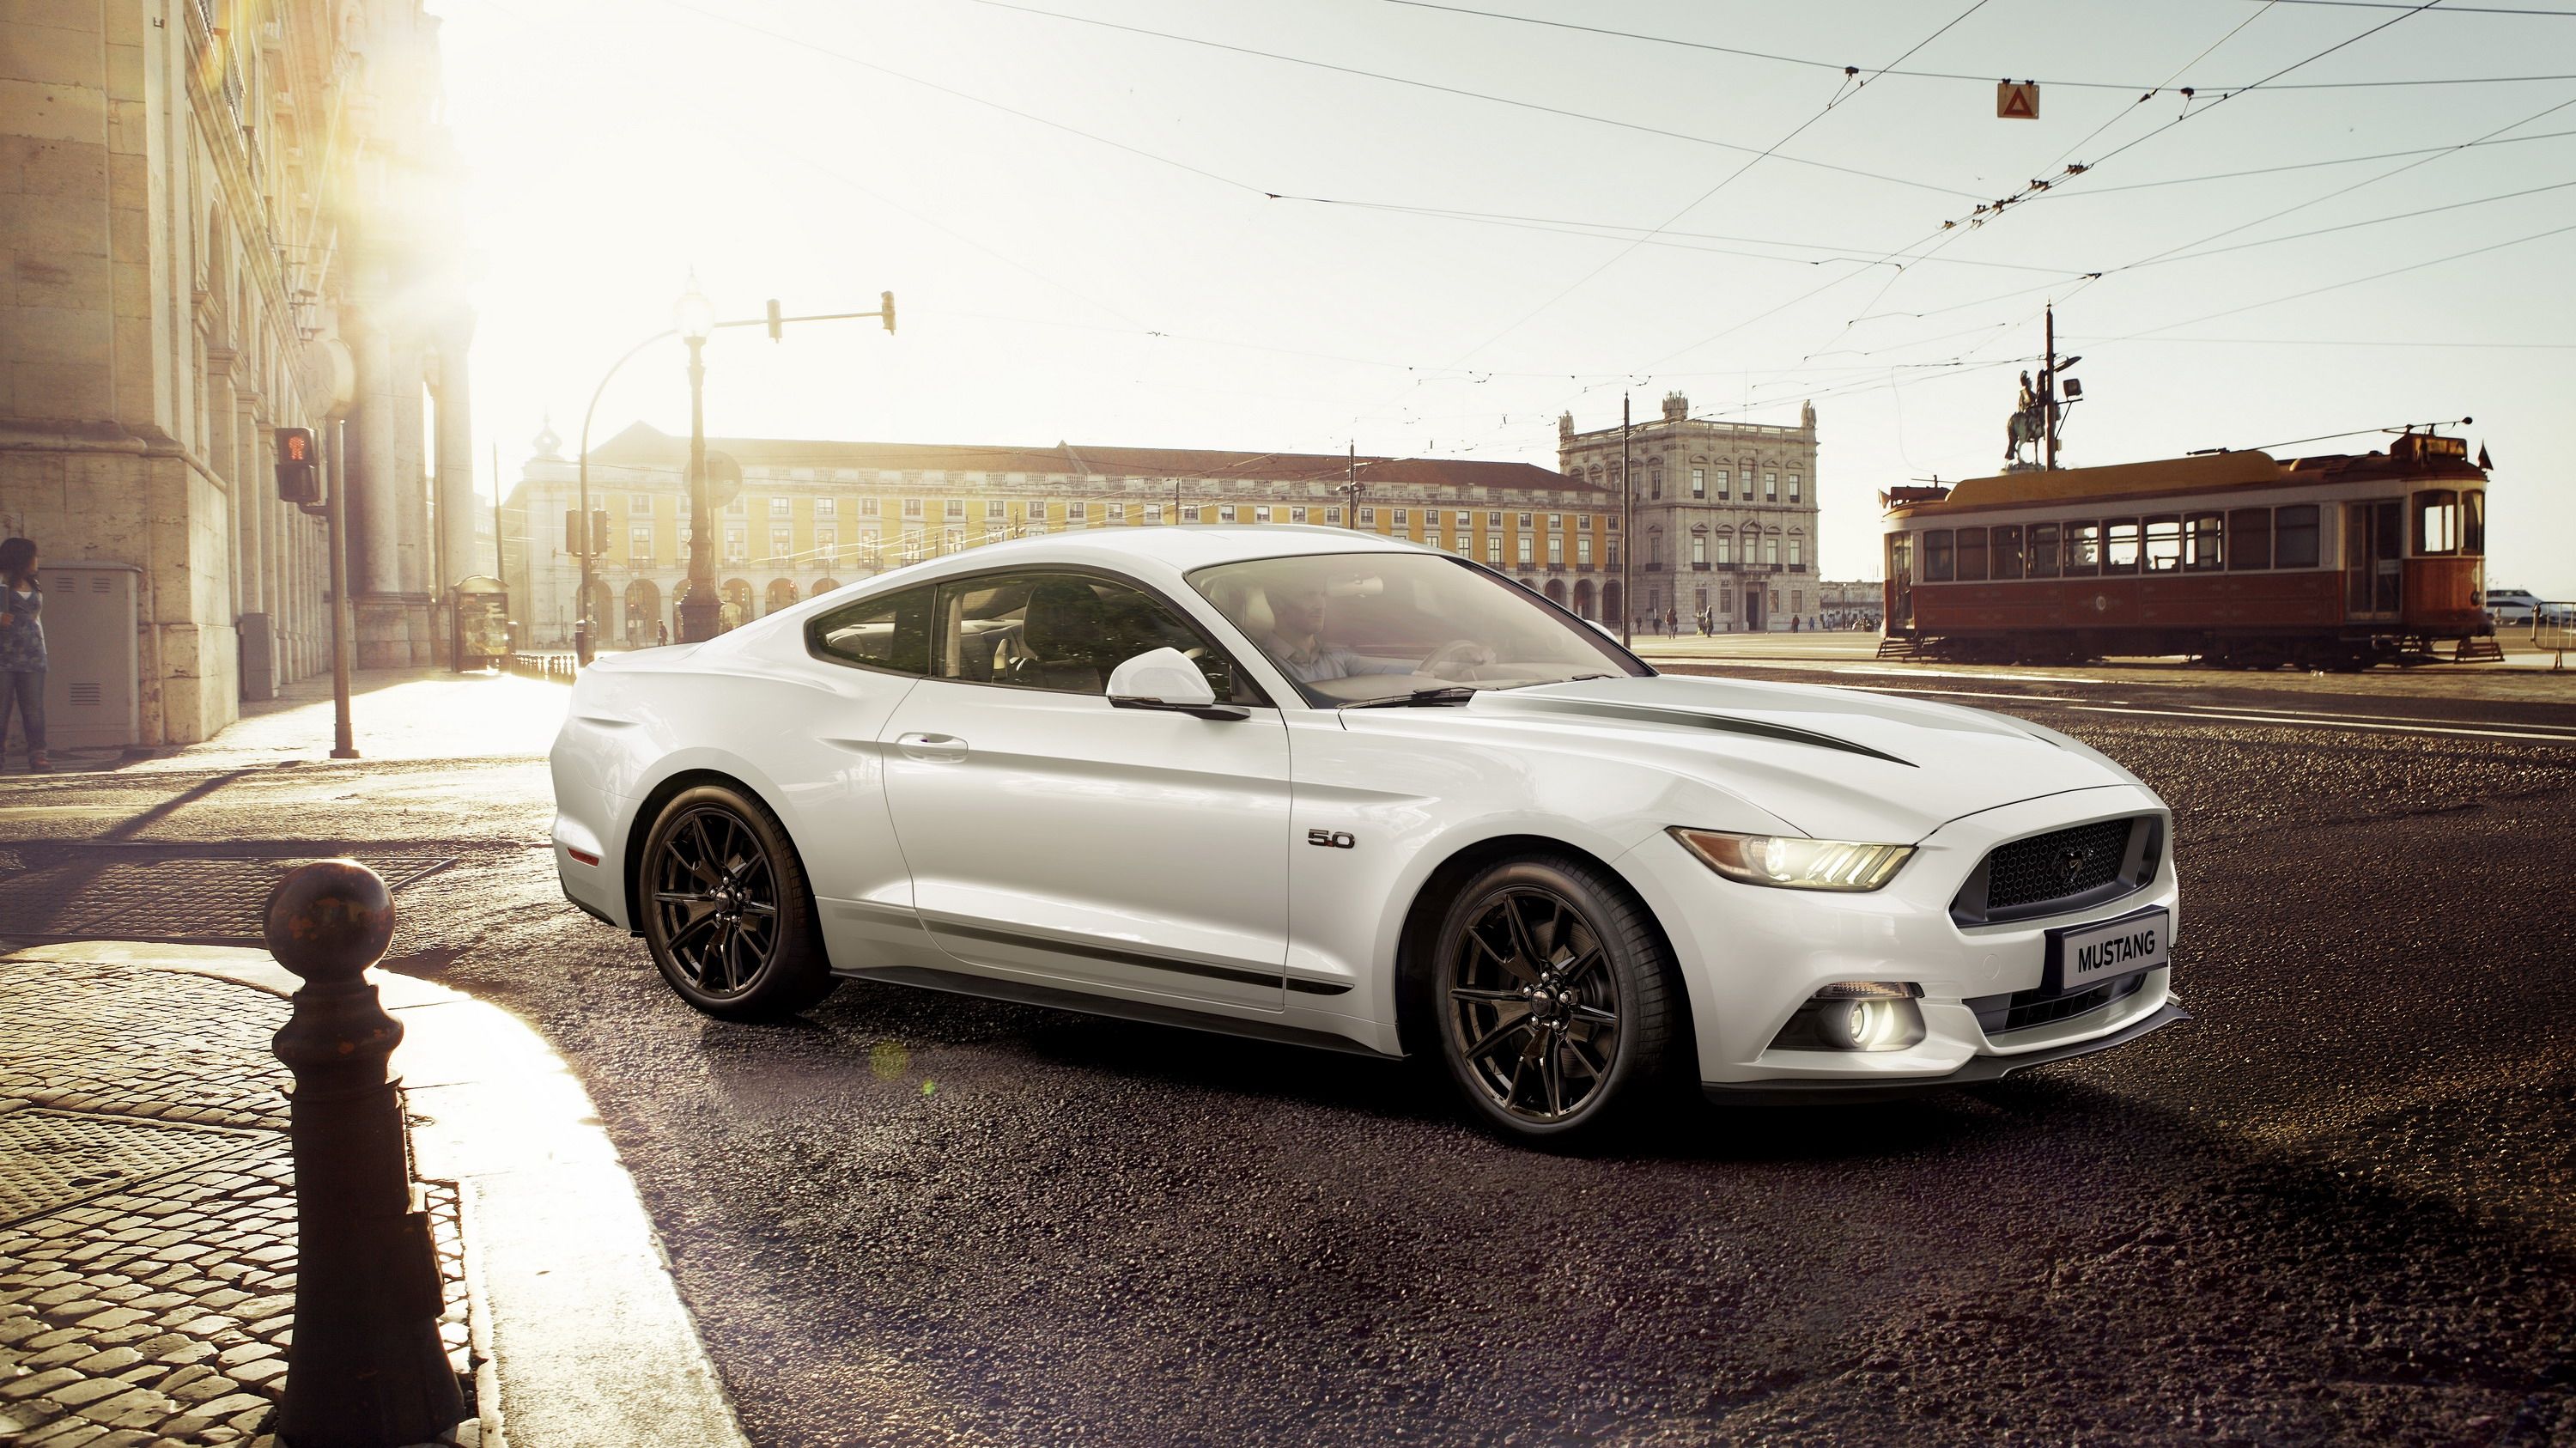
2249,538
2007,551
1936,556
2083,549
2203,548
2294,536
2164,544
1972,555
2437,522
2473,522
2120,545
2043,550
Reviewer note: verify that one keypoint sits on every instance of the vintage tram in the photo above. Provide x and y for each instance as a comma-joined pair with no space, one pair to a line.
2236,558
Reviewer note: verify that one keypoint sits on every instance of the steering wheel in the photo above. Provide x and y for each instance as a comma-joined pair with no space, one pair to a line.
1462,666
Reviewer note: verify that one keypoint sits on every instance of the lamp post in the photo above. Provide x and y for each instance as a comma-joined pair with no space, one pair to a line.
694,318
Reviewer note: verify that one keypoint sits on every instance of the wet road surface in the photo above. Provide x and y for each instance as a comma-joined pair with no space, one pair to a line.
2338,1206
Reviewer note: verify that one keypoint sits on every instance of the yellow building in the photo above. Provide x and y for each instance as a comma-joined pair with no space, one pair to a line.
810,516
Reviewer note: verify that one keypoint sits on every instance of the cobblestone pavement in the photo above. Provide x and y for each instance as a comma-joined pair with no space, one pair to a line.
147,1211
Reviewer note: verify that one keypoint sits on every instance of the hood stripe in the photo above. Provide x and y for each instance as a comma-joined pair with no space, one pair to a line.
1693,719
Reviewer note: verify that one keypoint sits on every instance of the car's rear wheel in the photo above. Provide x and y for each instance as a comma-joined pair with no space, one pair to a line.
726,910
1556,997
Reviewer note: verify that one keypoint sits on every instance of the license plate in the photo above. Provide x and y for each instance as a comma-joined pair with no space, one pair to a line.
2083,956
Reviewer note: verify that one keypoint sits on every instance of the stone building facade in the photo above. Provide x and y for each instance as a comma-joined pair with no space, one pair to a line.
1724,513
222,218
811,516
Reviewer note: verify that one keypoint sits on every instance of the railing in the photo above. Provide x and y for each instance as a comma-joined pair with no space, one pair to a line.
2553,630
559,667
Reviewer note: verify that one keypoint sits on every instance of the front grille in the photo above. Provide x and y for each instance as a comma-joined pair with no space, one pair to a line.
2027,872
2063,870
2039,1006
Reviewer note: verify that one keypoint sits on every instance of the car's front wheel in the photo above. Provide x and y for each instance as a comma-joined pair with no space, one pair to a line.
1556,996
726,910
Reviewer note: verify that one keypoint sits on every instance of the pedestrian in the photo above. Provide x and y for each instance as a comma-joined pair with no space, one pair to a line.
661,634
1793,623
22,650
1672,621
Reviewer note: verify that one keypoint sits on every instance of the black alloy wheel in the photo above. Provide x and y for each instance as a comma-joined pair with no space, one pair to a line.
726,910
1556,996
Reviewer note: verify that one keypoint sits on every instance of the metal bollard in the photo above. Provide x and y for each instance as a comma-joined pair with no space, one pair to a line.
365,1368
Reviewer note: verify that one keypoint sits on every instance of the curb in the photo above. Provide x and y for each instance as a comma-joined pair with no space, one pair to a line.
577,1324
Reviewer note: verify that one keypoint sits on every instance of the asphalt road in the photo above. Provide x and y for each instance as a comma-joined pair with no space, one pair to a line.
2339,1206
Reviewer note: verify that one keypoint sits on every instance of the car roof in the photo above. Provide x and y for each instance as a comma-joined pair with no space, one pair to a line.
1159,551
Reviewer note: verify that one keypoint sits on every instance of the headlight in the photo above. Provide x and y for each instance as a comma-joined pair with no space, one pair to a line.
1795,864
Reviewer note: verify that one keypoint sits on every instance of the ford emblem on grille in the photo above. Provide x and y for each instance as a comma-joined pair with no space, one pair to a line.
2070,863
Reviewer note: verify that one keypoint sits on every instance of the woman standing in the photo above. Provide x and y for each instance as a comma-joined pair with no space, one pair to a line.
22,649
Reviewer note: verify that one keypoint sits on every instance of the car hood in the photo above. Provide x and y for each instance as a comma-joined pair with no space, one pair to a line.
1836,763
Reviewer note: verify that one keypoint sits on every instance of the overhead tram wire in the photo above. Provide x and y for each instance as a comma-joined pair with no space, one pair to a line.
1852,86
2168,253
1986,211
968,96
1574,227
2150,94
2354,281
1841,94
2090,190
1464,93
1813,63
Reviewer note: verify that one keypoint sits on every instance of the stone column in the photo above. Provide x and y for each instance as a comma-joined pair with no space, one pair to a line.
376,512
415,549
456,492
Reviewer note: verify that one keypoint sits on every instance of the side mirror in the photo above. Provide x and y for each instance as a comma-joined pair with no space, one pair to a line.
1166,679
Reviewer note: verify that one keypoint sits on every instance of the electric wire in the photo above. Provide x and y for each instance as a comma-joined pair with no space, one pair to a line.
2357,281
2091,190
1814,63
1462,92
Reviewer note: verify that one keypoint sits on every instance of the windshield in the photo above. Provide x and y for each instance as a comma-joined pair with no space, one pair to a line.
1356,628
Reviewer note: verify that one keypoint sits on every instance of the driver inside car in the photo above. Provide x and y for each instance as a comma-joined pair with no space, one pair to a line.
1295,638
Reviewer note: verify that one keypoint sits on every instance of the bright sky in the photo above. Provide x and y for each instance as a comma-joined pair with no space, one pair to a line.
1072,218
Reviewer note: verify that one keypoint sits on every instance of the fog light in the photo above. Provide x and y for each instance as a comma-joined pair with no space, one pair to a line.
1860,1015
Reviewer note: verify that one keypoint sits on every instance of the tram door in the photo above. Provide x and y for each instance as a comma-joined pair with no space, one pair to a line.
2374,549
1900,581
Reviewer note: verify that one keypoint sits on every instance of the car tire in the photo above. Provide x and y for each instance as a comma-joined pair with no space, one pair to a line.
726,909
1565,1023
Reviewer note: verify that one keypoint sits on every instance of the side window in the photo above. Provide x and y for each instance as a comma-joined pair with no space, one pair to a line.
1972,555
2007,552
1937,558
2083,551
2294,536
2249,538
2043,550
1065,632
878,633
2120,545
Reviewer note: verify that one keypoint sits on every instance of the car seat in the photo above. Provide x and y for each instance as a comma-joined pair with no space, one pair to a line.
1061,634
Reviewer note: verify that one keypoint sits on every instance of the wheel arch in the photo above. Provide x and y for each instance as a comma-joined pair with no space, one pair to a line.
1416,938
649,809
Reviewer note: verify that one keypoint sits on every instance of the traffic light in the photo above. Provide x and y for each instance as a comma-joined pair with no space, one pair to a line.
776,329
598,540
888,313
299,472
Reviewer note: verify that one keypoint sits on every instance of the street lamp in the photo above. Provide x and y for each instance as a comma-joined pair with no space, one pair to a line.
694,318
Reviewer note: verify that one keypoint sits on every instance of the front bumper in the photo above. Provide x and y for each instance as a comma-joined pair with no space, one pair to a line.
1979,1068
1750,956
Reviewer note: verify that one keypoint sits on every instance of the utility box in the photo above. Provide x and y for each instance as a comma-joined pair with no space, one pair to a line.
93,697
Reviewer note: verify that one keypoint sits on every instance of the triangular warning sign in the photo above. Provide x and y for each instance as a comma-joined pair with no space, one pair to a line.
2017,102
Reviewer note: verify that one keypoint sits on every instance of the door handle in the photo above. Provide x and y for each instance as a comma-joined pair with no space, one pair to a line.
932,748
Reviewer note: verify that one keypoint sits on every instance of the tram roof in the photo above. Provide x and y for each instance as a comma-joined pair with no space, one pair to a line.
2164,475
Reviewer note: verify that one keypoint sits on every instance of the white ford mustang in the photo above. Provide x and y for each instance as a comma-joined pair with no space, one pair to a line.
1322,787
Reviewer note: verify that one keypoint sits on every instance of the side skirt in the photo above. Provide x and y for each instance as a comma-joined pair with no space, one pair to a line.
1027,993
